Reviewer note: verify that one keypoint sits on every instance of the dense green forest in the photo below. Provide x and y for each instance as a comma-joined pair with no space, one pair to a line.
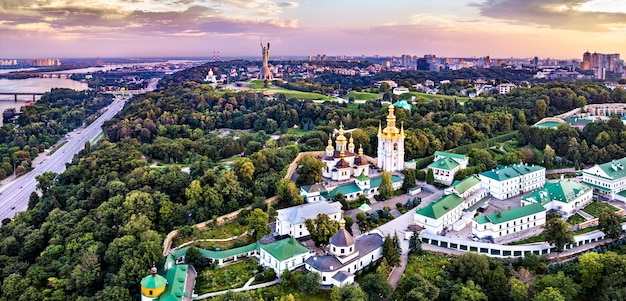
98,227
43,124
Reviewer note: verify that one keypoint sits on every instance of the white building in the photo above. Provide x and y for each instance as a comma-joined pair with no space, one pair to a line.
565,196
290,221
391,145
345,257
445,165
510,221
608,179
391,83
462,199
505,88
284,254
512,180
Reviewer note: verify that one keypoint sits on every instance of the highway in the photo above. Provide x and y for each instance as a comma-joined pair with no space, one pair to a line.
14,195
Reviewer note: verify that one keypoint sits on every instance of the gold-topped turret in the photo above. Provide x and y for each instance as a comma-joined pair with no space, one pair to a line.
402,130
361,150
341,140
380,129
351,144
391,131
342,224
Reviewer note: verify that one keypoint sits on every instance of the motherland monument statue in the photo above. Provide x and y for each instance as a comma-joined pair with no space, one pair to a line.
265,73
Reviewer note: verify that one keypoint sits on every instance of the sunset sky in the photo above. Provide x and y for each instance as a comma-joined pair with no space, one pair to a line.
498,28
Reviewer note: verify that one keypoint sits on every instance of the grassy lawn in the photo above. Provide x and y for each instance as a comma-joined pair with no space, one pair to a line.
232,276
419,96
298,94
596,207
541,238
225,231
299,132
353,106
427,265
575,219
363,95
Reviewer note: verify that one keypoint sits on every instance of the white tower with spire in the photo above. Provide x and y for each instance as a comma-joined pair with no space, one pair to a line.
391,145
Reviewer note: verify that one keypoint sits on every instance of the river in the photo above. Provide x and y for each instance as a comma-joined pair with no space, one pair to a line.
33,85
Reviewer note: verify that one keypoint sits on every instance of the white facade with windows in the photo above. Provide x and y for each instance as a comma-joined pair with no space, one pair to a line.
290,221
608,179
513,180
510,221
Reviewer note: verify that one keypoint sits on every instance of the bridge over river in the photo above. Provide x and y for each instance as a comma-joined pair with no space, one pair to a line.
22,93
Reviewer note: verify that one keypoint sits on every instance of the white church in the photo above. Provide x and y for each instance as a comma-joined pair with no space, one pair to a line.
343,164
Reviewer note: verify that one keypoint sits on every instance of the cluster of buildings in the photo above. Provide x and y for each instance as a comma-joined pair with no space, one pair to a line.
601,63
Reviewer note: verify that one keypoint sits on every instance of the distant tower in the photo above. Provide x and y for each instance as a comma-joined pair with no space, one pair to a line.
152,286
265,70
391,145
214,58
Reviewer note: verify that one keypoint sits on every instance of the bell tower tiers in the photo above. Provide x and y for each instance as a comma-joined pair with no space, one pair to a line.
391,144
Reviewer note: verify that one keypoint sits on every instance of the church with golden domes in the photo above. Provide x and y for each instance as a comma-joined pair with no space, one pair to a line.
391,145
341,161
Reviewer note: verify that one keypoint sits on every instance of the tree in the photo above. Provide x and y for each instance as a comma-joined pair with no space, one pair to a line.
376,286
409,179
610,224
287,192
557,234
244,169
548,156
415,244
396,240
549,294
258,221
468,292
45,181
335,293
540,108
564,284
519,290
321,229
361,217
386,186
414,287
192,255
430,176
352,293
309,283
390,253
309,170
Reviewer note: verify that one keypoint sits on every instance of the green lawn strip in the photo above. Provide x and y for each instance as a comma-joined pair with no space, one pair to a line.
353,106
595,208
363,95
298,131
575,219
541,238
419,96
230,277
228,230
56,148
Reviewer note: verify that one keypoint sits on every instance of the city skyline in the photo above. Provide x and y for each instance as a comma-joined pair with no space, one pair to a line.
456,28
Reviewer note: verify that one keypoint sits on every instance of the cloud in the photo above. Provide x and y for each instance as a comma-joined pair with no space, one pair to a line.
134,17
558,14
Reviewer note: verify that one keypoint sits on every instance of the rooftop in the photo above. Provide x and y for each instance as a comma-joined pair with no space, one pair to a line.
298,214
450,155
445,163
175,290
440,207
503,173
365,244
563,191
313,188
466,184
509,215
285,249
611,170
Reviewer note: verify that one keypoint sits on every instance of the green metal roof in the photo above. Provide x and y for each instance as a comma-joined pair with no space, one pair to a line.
446,163
375,182
511,171
153,282
440,207
510,215
175,290
466,184
285,249
362,177
622,193
450,155
563,191
614,169
598,186
220,254
343,189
